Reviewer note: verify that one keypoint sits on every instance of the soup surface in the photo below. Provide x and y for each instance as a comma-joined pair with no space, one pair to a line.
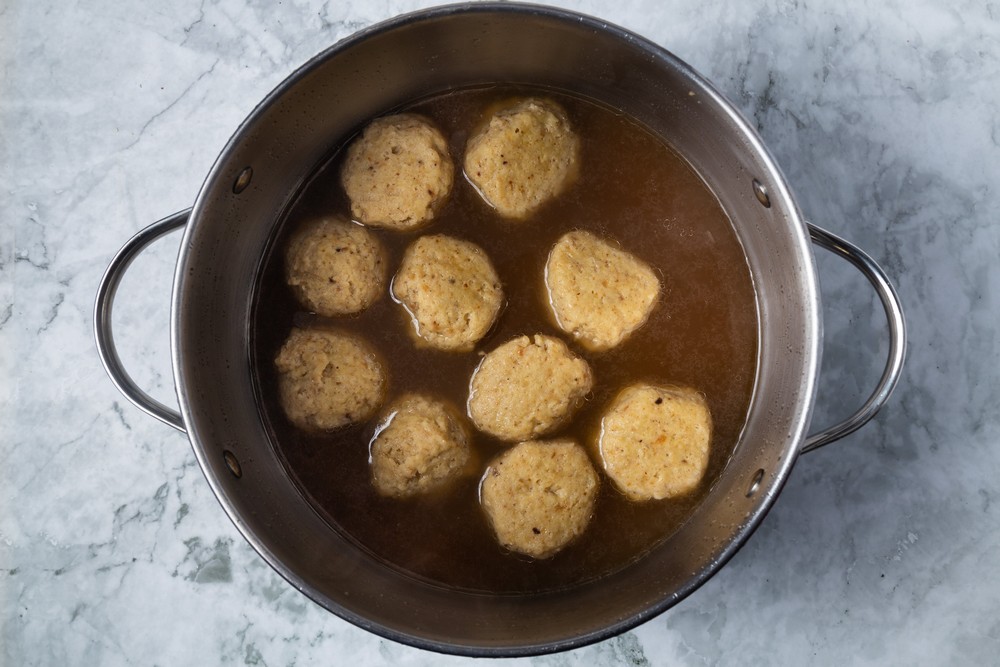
632,188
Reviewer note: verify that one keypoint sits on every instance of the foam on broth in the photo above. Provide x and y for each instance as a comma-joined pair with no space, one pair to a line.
703,333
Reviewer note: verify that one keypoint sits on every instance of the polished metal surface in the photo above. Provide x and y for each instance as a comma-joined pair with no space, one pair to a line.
102,319
897,337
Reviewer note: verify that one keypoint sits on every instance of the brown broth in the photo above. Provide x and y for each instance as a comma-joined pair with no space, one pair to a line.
703,333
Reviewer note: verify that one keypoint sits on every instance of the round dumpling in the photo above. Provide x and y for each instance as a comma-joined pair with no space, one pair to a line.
527,387
450,289
598,293
539,496
524,156
328,379
654,441
420,446
398,173
334,267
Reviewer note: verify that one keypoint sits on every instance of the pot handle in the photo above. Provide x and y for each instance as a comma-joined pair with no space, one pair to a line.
102,319
897,337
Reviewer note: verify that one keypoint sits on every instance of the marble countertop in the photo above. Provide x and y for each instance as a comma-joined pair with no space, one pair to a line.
882,548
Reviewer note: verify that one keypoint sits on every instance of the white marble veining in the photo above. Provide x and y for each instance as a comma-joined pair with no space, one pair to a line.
882,548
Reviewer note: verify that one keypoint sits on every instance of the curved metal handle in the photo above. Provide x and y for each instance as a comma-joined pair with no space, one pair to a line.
897,337
102,320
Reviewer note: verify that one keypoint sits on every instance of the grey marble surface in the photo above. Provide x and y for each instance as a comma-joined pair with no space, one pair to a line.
882,549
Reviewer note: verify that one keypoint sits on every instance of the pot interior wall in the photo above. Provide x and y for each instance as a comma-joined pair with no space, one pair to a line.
294,130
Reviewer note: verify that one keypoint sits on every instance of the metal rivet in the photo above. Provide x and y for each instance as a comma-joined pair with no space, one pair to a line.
755,482
232,463
243,180
760,192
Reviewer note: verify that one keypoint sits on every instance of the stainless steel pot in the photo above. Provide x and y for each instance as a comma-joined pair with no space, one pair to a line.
285,139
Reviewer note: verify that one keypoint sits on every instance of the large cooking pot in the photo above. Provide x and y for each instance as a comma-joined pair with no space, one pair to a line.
294,130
